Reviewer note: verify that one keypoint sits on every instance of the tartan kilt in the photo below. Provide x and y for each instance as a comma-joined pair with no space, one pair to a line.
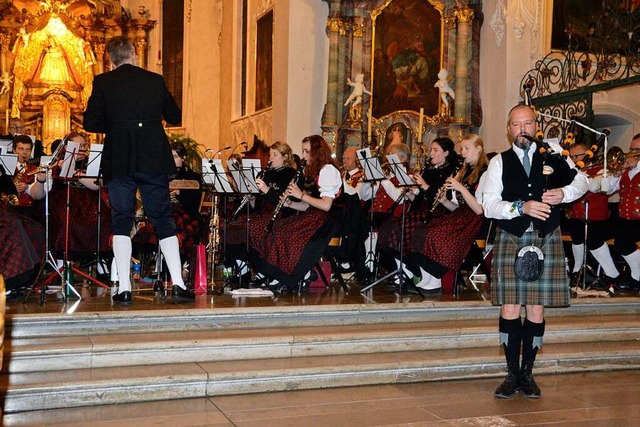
551,290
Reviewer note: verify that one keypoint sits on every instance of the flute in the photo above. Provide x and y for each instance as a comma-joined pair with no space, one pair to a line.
282,201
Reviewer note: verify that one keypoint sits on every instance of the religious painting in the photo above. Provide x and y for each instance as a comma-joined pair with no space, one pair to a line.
264,61
407,51
397,133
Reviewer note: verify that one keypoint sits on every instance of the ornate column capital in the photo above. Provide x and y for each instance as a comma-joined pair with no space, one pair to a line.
5,41
358,27
464,15
337,25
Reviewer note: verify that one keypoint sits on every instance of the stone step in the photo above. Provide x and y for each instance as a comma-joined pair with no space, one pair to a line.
98,386
134,349
157,321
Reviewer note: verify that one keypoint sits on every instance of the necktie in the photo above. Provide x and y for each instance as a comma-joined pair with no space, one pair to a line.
526,163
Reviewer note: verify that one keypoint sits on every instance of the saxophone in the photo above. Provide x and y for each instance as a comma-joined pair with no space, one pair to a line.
213,254
282,201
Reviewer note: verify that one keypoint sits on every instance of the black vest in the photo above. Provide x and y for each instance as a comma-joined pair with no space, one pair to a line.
518,186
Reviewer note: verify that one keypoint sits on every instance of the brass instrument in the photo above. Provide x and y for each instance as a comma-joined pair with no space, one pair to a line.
17,178
213,254
616,158
282,201
8,199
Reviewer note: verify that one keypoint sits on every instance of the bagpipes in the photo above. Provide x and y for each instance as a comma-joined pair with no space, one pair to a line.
594,154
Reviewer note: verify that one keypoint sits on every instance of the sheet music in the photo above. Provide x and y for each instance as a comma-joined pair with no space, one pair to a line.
93,166
9,162
250,169
68,168
235,171
44,160
6,146
399,170
370,165
219,180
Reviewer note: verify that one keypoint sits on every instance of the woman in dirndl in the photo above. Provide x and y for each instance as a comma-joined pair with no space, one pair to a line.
272,183
451,228
295,243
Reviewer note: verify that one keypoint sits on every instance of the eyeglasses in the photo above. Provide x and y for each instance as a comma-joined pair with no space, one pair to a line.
577,156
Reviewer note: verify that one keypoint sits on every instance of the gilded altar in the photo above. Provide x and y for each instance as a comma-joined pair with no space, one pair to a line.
50,51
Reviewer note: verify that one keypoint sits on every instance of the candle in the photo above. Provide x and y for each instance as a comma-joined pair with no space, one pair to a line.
6,121
369,128
420,120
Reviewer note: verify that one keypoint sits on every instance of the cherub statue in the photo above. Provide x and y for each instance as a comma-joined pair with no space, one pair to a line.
446,91
6,80
358,90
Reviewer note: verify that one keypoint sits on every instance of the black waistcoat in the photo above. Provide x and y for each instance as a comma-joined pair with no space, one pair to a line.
518,186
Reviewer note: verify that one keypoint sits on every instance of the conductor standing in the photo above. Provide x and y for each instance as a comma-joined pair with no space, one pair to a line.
128,105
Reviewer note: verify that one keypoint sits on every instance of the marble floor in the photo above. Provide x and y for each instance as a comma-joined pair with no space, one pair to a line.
97,299
585,399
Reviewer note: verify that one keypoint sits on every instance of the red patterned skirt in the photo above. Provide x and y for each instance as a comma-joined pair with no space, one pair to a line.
444,239
83,221
21,244
294,244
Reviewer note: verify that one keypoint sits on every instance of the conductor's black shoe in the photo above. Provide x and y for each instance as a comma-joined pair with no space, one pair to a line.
179,294
528,385
508,388
123,298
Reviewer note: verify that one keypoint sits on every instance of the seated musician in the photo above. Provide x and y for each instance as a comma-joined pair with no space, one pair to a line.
597,231
627,180
28,182
185,205
442,163
450,229
295,243
386,199
21,240
351,253
352,174
272,183
84,193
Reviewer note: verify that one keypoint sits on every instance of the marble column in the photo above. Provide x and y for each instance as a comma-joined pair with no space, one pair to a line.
465,18
331,112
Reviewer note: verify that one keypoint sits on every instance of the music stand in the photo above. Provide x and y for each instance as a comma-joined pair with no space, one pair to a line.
214,176
48,258
405,181
93,172
245,179
9,162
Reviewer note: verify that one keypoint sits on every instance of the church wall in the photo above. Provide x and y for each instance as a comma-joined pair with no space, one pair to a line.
307,70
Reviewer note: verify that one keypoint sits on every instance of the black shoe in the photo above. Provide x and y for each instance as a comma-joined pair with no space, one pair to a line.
573,279
528,385
158,287
123,298
179,294
628,284
508,388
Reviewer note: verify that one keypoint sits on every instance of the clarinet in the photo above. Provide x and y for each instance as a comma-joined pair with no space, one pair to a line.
249,197
282,201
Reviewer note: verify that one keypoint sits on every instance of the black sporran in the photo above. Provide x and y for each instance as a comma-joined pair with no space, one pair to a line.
529,263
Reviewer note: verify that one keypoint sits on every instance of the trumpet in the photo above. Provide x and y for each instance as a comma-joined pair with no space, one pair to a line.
616,158
282,201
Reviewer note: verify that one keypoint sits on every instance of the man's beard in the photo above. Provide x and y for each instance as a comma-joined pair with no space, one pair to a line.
521,142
